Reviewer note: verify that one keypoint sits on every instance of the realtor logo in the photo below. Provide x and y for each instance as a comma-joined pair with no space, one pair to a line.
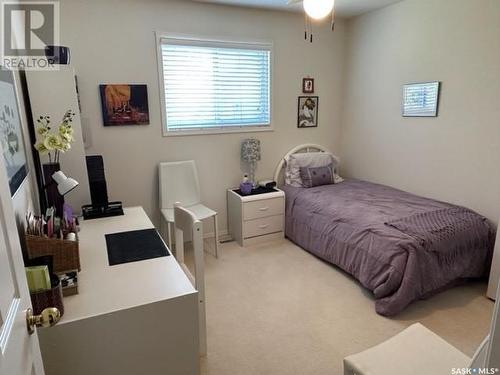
27,28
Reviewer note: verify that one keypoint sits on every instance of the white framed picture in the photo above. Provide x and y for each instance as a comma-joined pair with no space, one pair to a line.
421,99
11,136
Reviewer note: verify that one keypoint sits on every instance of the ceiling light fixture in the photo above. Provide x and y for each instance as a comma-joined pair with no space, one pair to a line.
318,9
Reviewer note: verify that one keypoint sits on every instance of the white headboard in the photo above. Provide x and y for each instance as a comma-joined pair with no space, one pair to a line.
308,147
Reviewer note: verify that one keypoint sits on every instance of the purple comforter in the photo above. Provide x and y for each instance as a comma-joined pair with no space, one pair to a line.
400,246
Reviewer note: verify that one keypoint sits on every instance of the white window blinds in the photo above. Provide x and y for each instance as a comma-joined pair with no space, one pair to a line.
215,85
421,99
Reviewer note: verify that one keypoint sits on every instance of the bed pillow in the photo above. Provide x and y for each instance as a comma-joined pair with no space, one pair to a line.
292,173
313,159
317,176
294,162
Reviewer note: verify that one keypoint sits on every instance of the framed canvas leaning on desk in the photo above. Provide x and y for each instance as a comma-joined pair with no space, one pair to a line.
132,318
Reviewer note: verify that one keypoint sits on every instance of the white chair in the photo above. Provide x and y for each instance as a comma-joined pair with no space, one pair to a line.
186,222
179,183
418,350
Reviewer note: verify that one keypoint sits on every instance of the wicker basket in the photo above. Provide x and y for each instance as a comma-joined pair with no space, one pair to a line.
48,298
66,255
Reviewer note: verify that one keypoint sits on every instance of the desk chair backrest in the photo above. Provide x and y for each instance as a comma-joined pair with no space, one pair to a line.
186,222
179,183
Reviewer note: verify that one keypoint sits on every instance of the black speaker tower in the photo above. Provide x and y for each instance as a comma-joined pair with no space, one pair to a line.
100,206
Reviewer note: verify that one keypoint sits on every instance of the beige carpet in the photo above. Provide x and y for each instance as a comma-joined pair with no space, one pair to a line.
276,309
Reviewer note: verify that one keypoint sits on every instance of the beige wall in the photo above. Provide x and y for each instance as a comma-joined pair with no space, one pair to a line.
454,157
113,41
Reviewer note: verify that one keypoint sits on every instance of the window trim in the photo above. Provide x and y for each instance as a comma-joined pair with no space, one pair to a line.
203,40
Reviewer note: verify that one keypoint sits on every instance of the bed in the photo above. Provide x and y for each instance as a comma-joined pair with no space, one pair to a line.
400,246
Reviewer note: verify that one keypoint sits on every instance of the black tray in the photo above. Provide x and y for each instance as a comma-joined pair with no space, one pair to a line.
256,191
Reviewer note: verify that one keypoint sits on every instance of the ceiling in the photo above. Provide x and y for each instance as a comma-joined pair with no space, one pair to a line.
343,8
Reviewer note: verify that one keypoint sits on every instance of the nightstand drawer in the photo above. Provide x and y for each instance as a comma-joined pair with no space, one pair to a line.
265,225
263,208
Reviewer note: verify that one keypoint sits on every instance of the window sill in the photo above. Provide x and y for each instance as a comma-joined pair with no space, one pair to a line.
183,133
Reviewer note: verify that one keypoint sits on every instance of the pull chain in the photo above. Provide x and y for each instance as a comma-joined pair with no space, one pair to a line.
305,26
311,31
308,33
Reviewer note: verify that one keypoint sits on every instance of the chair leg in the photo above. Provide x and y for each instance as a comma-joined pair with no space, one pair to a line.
216,230
169,230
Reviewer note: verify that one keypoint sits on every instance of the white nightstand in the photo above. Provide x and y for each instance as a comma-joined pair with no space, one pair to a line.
256,218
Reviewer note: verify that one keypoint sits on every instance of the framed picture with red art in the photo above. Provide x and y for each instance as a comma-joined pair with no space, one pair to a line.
308,85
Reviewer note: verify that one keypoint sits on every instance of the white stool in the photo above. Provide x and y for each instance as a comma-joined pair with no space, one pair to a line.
186,222
414,351
417,351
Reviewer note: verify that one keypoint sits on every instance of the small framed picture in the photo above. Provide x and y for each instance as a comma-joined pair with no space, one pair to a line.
308,112
308,85
421,99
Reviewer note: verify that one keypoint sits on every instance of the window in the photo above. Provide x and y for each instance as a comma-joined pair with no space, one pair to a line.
421,99
214,86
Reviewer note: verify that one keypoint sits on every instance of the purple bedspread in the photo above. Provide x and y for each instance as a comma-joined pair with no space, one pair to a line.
400,246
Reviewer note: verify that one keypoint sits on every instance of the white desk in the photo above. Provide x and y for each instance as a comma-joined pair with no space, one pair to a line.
133,318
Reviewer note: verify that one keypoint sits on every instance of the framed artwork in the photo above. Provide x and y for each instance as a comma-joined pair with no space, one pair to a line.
124,105
308,85
308,112
11,136
421,99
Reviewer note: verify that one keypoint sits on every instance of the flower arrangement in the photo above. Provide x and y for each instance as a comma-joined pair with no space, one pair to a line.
53,143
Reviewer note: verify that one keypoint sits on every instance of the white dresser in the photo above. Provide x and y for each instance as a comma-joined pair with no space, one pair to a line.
128,319
256,218
495,270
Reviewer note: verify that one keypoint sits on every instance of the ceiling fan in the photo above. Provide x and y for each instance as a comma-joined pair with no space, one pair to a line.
317,10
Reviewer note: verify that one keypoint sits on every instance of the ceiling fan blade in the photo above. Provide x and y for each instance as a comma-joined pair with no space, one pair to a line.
291,2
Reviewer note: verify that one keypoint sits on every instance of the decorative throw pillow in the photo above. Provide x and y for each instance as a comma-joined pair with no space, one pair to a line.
317,176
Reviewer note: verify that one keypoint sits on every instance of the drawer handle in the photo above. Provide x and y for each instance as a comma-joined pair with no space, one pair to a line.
263,208
263,226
